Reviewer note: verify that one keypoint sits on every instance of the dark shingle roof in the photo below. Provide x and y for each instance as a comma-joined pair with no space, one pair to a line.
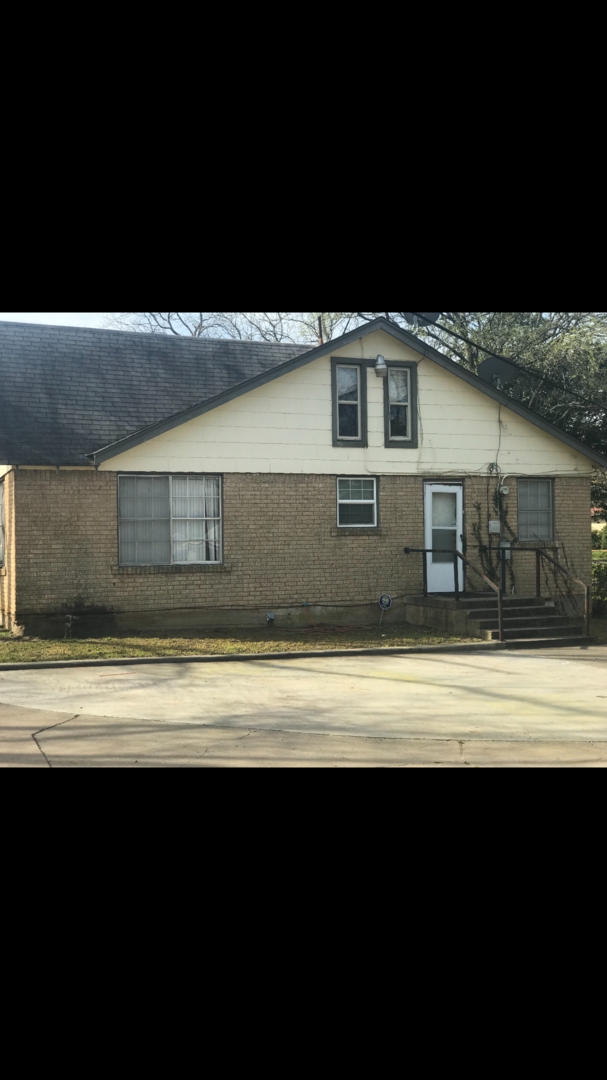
67,391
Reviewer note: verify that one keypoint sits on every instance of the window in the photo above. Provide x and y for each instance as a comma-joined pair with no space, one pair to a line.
169,519
349,382
2,525
357,503
535,510
398,399
348,402
400,405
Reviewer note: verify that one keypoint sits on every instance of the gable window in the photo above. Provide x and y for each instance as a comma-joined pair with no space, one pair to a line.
398,394
348,402
169,519
535,510
400,405
357,502
349,382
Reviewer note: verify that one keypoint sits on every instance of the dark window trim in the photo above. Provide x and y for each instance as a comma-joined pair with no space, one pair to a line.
402,444
357,528
349,361
545,539
148,566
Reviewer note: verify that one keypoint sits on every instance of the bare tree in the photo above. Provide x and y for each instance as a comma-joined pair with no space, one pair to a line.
180,323
298,327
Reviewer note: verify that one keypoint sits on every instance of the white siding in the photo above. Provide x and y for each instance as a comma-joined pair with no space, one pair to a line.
286,426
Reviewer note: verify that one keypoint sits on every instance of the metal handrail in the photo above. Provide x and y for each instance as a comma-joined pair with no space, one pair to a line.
458,555
587,588
541,554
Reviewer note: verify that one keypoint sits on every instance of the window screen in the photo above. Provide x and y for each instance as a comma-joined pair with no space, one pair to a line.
357,502
535,510
169,519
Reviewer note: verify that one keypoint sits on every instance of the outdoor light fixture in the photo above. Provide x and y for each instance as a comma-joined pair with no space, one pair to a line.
381,368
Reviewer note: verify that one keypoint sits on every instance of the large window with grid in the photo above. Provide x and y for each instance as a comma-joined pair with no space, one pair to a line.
357,502
535,510
169,519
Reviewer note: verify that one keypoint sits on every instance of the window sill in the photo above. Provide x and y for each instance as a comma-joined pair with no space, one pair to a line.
351,444
176,568
362,531
538,544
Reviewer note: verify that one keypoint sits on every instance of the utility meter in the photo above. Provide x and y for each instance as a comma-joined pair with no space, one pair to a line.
504,546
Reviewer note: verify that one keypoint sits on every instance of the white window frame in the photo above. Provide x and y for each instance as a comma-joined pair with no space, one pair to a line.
195,476
532,480
357,369
407,437
357,502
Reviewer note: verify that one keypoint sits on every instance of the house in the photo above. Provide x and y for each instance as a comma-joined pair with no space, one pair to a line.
174,482
598,514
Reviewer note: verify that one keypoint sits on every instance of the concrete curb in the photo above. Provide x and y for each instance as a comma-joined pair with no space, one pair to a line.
307,654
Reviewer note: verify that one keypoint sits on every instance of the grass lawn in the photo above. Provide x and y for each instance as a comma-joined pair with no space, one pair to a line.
600,555
218,641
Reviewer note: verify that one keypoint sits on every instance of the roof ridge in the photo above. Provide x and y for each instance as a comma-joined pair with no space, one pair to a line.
149,334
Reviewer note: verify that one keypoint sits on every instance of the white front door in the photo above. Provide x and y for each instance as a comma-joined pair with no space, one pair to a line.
444,526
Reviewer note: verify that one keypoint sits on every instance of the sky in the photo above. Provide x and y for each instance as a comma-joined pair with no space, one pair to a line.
56,318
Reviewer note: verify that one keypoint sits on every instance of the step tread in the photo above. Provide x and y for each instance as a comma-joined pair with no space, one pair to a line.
531,632
560,623
513,613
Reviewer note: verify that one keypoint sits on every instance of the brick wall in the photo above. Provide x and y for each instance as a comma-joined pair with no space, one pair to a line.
7,572
571,545
281,546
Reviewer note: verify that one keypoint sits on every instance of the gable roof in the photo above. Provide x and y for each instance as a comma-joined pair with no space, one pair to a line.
65,391
310,355
73,395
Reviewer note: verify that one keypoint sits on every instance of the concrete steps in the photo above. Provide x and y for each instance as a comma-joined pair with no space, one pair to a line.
525,618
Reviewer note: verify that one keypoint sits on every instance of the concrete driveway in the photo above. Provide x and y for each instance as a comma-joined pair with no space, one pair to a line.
502,708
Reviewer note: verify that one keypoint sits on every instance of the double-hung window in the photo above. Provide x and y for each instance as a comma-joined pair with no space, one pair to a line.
349,403
357,502
398,392
535,510
400,405
169,519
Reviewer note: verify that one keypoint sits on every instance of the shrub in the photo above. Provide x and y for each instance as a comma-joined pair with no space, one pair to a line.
597,539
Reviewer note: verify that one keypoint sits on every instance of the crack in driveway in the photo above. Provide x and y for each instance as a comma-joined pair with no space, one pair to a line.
50,728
